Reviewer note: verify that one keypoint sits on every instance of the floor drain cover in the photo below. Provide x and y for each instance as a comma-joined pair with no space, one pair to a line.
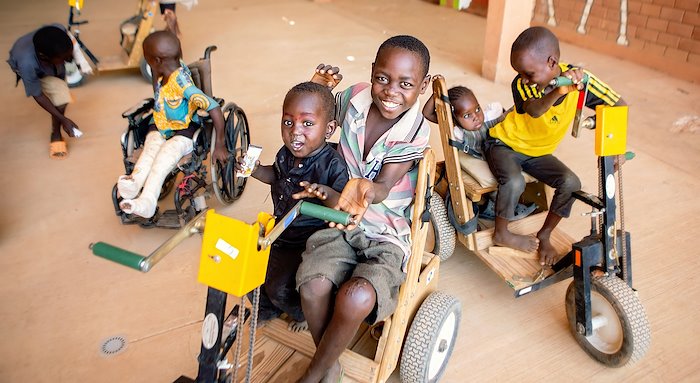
113,345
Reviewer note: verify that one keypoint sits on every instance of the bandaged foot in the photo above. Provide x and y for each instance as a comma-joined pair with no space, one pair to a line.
143,207
127,187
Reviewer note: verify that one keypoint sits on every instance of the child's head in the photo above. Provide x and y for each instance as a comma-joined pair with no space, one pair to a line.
465,108
53,45
399,75
307,118
161,48
535,56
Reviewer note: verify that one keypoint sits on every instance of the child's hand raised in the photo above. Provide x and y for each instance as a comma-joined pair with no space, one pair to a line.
327,75
356,197
312,191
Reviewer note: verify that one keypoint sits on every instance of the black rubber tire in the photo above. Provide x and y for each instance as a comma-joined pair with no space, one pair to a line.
146,71
433,333
445,235
227,187
611,295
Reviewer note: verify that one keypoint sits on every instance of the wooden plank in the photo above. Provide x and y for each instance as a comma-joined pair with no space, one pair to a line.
268,357
501,251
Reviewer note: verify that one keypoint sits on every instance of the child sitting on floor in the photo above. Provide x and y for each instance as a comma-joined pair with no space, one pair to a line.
307,121
170,138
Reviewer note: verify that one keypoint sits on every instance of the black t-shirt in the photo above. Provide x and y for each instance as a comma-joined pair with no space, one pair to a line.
326,167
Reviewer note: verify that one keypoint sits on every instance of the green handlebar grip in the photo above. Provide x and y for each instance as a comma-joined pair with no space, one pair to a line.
118,255
629,155
325,213
565,81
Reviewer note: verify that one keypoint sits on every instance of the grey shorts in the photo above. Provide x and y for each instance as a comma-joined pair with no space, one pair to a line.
340,255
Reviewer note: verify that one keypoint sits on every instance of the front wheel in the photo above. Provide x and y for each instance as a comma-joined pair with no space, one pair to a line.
431,339
621,333
443,231
227,186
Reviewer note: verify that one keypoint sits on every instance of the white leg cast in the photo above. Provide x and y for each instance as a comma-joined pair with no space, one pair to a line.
170,153
130,185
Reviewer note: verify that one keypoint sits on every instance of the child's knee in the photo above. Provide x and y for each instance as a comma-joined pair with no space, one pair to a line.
355,299
570,183
514,185
315,288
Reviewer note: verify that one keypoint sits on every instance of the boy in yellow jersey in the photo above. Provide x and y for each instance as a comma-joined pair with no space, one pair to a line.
531,132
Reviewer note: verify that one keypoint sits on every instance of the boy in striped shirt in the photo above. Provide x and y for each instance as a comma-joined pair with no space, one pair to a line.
530,133
353,275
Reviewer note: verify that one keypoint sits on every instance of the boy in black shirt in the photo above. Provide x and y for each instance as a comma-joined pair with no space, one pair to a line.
307,121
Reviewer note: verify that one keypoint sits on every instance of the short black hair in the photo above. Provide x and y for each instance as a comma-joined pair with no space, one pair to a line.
411,44
457,92
52,41
327,99
539,40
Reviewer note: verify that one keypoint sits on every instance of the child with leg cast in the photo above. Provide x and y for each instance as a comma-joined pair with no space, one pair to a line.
170,138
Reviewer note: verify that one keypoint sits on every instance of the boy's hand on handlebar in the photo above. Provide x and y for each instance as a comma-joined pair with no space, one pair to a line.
327,75
311,191
356,197
576,76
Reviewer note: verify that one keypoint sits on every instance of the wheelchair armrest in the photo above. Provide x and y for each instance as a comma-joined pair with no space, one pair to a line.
141,107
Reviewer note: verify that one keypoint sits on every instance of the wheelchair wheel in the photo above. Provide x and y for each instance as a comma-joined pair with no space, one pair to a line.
443,231
431,339
227,187
621,332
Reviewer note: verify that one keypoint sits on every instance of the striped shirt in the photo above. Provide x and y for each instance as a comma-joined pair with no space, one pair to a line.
389,220
539,136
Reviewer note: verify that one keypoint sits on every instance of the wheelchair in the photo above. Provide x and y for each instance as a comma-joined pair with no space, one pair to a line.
192,188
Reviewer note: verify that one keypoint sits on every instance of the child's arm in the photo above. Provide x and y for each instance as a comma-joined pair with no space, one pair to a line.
536,107
359,193
220,152
322,192
263,173
429,110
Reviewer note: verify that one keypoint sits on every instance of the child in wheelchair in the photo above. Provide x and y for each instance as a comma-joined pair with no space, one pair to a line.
170,138
307,121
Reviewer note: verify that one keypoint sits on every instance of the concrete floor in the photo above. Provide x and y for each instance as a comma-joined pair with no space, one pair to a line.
59,302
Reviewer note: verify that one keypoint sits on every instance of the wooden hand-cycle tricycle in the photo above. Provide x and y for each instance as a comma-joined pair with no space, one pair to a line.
418,337
604,312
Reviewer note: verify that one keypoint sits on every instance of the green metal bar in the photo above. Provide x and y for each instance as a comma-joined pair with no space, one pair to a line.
325,213
115,254
565,81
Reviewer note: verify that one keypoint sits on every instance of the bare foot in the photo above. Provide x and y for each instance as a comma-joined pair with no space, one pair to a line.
334,374
297,326
548,253
526,243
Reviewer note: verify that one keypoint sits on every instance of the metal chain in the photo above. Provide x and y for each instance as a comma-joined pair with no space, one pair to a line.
239,340
622,216
253,327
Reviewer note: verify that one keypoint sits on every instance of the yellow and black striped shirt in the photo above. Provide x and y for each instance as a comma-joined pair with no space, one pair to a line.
538,136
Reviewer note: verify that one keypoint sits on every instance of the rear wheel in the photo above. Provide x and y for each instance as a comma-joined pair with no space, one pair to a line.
431,339
443,231
227,186
621,333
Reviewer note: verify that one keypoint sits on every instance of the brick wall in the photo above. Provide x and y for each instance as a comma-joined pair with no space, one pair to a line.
661,34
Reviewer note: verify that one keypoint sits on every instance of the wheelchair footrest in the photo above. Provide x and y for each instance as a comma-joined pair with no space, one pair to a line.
169,220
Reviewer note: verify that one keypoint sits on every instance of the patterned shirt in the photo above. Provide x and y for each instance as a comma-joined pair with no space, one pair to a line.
177,102
389,220
539,136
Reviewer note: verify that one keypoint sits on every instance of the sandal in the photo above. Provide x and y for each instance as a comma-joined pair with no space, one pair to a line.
521,211
58,150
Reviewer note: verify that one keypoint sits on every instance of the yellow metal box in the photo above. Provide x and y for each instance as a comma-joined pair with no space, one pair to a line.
611,130
230,259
